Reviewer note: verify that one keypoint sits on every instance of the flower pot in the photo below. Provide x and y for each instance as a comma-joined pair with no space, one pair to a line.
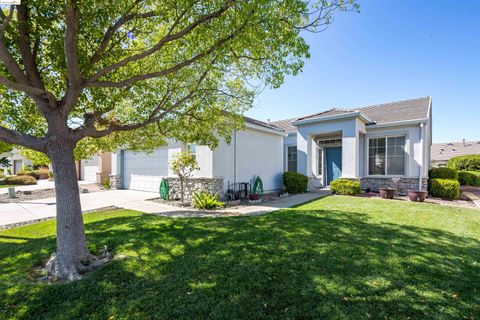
387,193
417,195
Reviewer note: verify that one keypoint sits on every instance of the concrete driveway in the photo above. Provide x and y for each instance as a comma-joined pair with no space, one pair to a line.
11,213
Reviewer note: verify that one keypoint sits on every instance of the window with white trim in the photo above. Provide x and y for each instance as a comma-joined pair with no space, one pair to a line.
292,158
386,156
192,148
319,161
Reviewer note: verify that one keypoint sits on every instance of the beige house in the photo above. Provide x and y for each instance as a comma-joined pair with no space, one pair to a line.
442,152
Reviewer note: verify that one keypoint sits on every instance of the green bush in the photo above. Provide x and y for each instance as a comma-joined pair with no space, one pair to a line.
21,180
295,182
445,188
346,187
469,178
466,163
443,173
2,175
205,200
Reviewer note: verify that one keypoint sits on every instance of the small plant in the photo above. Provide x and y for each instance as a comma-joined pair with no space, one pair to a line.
106,183
445,188
346,187
50,175
206,201
183,165
295,182
21,180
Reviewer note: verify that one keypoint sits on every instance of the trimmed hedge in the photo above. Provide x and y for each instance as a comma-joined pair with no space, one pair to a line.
295,182
21,180
466,163
31,173
346,187
445,188
469,178
443,173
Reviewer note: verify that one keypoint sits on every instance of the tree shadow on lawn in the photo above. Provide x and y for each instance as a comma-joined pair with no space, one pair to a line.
303,264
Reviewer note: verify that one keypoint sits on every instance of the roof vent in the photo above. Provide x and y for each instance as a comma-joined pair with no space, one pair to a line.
463,142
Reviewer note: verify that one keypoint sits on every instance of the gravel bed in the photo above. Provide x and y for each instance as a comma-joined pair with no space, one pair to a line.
41,194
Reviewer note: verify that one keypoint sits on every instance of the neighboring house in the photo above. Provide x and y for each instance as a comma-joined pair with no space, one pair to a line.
442,152
380,145
96,169
17,161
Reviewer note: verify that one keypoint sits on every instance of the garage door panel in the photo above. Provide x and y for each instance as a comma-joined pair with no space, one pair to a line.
144,171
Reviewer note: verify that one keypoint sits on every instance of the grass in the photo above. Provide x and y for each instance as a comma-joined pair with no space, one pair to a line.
9,185
335,258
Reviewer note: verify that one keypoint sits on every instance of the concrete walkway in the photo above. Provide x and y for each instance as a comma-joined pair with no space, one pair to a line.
472,193
41,185
26,211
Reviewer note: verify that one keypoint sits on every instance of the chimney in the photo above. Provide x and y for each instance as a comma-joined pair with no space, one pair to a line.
463,142
268,121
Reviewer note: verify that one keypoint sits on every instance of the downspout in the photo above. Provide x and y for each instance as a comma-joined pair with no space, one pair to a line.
234,156
422,143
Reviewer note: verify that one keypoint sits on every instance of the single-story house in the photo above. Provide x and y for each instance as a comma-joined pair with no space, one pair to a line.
96,169
17,161
442,152
380,145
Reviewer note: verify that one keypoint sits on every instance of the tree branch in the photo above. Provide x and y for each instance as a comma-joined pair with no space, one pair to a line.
166,39
165,72
71,57
24,140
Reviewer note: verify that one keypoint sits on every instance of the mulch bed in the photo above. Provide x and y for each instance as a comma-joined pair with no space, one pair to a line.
462,203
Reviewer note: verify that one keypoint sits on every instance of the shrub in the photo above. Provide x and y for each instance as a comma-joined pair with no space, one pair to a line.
443,173
445,188
469,178
21,180
2,175
50,174
466,163
205,200
42,173
346,187
295,182
33,174
106,183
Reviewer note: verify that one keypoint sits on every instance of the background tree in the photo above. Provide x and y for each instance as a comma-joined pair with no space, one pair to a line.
184,165
135,72
4,162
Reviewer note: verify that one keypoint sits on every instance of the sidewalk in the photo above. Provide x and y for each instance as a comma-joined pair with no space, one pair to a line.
24,212
41,184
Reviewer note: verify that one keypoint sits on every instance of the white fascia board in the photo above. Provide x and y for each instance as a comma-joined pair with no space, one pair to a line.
398,123
329,118
264,129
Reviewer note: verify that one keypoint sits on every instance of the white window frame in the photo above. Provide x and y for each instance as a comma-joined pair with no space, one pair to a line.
286,156
405,158
194,154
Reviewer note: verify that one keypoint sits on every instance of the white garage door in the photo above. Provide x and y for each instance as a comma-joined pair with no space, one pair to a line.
144,171
90,169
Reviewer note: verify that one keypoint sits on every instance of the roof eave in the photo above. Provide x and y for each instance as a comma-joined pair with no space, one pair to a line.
327,118
398,123
265,129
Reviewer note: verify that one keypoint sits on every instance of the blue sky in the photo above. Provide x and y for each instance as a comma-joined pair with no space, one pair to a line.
391,50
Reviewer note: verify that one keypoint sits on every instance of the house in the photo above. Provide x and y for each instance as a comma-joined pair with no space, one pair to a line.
96,169
255,151
380,145
442,152
17,161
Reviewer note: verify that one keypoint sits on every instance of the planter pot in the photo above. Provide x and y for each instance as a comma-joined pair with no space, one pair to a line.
42,175
255,201
387,193
417,195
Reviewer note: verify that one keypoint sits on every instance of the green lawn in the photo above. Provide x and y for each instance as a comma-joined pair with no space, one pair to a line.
335,258
8,185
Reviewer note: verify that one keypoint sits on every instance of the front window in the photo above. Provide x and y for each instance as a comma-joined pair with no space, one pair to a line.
292,158
320,161
386,156
192,148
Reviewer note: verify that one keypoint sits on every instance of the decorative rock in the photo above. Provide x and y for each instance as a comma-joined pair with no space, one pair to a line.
401,184
210,185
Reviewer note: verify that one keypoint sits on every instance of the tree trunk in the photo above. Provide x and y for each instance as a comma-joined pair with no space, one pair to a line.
182,190
72,248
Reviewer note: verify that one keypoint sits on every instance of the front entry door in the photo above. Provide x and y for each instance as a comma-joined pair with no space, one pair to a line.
333,163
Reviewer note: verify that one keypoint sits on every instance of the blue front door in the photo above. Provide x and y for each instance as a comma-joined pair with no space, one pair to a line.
333,163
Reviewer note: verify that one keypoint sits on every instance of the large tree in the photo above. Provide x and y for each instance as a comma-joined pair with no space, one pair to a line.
100,74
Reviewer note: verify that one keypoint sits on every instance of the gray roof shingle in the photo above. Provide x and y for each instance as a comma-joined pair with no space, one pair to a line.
380,113
445,151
